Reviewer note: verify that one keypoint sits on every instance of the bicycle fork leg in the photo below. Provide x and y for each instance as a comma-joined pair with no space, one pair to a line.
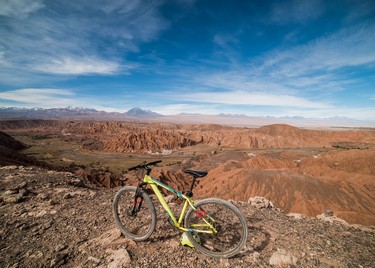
137,203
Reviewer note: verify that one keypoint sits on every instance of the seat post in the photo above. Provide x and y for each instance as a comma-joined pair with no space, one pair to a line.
195,174
190,192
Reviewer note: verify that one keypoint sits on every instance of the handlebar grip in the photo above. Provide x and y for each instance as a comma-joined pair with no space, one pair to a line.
153,163
144,165
133,168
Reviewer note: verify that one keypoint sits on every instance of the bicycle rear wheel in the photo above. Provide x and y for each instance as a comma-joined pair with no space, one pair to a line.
226,218
135,218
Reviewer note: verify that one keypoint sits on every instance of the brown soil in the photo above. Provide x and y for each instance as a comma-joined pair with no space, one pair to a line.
55,219
143,137
300,170
343,181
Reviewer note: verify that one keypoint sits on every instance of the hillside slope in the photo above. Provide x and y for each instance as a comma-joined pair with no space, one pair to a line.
303,171
343,181
10,152
156,137
56,219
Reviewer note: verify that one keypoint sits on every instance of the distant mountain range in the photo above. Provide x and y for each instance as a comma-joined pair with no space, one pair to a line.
72,113
138,114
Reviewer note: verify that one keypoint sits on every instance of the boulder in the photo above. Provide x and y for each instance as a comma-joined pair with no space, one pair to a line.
260,202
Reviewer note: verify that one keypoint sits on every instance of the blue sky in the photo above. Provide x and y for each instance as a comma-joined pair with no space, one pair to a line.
310,58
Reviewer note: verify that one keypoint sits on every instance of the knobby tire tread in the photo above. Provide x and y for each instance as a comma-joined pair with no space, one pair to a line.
232,208
146,202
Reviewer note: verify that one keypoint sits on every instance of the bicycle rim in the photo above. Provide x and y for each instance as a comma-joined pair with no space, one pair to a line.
137,225
226,218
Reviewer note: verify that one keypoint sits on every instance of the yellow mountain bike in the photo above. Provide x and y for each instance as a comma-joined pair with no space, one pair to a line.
213,226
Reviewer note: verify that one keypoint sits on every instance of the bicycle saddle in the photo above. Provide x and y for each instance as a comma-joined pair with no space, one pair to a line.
197,174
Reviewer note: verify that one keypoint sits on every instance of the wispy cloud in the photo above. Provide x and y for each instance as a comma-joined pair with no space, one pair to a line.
19,9
292,68
360,10
76,37
225,40
40,97
305,77
172,109
250,98
346,48
226,46
55,97
296,11
78,66
318,63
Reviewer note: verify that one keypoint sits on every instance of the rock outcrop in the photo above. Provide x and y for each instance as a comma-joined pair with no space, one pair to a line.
156,137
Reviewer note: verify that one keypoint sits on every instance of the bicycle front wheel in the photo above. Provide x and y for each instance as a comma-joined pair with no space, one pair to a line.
217,228
135,217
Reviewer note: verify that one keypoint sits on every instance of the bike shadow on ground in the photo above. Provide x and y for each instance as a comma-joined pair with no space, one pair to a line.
164,231
258,237
164,237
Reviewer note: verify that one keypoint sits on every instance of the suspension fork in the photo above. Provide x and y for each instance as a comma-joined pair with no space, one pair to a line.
137,204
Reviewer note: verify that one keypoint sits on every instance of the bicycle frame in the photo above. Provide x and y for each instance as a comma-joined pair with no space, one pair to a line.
154,183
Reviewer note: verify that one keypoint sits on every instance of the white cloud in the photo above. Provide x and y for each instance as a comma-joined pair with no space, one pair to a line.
55,97
75,37
305,76
2,54
19,8
251,98
347,48
78,66
172,109
39,97
242,80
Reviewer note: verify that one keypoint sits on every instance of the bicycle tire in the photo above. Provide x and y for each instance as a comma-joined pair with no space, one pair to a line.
140,226
229,221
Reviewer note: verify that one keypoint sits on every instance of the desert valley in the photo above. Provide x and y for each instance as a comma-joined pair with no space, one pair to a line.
306,172
299,170
270,104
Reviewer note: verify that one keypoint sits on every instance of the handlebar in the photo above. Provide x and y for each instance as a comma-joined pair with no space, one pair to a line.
145,166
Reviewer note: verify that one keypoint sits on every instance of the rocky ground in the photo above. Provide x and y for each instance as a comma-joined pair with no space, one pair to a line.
53,219
300,170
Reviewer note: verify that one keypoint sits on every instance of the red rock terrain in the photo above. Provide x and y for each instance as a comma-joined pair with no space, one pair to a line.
143,137
300,170
341,181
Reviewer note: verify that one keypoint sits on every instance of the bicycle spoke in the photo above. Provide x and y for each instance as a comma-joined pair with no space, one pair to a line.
228,230
136,220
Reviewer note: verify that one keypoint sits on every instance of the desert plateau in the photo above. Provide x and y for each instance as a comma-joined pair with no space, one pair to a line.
58,179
